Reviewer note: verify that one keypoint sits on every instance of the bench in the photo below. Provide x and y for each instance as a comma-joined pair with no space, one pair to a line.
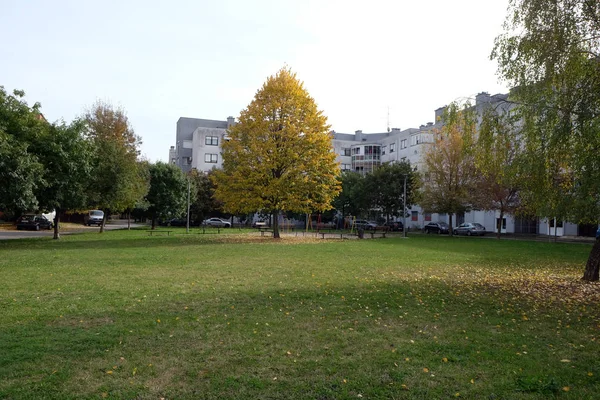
382,230
158,232
263,229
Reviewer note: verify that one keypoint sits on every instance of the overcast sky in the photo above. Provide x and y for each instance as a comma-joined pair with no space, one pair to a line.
206,59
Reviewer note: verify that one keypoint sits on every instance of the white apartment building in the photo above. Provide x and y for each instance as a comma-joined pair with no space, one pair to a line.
198,145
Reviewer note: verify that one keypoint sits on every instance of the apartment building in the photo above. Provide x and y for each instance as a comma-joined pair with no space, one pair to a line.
198,143
198,146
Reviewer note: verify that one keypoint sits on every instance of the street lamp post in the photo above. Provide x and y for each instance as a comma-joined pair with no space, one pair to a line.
404,210
187,224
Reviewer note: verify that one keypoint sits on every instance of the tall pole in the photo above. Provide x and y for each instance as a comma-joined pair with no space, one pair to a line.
187,224
404,209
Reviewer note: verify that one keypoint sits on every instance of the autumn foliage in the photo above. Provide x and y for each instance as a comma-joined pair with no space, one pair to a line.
278,157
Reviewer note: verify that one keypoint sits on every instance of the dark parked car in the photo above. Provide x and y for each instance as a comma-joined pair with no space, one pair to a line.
436,227
176,222
470,228
395,226
34,222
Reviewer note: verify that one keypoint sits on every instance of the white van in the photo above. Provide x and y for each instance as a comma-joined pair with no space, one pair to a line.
93,217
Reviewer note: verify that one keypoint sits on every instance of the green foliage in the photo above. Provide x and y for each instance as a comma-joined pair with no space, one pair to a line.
353,198
385,188
167,196
21,172
278,157
549,54
66,156
203,203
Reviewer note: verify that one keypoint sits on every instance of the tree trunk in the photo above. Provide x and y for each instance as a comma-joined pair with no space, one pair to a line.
128,220
593,264
499,225
153,222
276,225
103,221
56,223
449,223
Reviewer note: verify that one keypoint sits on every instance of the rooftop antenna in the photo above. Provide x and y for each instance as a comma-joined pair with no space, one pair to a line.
388,119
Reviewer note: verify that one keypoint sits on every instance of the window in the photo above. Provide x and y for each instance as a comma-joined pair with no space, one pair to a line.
392,147
403,144
503,226
346,167
356,150
383,148
427,216
186,160
187,144
347,151
210,158
559,224
414,216
211,141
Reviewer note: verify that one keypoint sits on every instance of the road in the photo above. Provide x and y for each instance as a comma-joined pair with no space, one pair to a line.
115,224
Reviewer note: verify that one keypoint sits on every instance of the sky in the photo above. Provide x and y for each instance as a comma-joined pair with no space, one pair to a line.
368,65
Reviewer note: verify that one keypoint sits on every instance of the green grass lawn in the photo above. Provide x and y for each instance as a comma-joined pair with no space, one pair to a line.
125,315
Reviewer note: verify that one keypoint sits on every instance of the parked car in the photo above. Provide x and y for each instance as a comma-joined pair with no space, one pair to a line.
93,217
395,226
217,222
364,224
34,222
175,222
470,228
259,224
436,227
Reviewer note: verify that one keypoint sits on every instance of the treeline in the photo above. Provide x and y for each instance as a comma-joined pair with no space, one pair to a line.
91,162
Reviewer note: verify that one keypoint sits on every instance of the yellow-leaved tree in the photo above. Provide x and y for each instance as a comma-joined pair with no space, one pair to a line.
279,156
449,176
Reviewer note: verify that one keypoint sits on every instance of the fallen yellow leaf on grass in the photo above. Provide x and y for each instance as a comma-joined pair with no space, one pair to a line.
109,372
566,389
565,360
444,359
425,369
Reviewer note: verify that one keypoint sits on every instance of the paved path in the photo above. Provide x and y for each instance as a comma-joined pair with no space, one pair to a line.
117,224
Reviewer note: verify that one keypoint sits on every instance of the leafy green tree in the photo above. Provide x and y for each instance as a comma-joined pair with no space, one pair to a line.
278,157
115,181
385,188
20,169
549,52
353,199
449,176
203,202
66,158
167,196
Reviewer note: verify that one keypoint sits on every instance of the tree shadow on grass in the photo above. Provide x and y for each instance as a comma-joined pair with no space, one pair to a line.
108,241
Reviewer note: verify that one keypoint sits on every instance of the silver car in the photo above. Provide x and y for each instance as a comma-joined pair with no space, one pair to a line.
217,222
364,224
469,228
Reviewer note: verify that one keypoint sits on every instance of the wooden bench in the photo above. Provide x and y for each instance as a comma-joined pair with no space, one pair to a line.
263,229
382,230
151,232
